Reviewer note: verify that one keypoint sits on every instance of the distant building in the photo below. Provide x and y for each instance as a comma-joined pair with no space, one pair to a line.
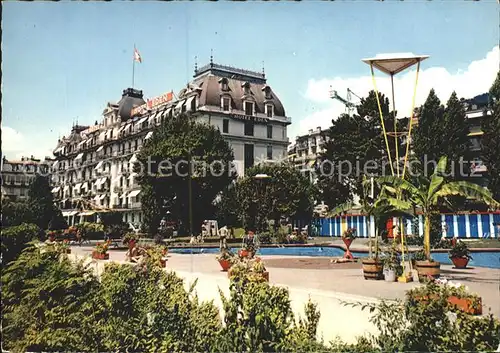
306,151
17,176
476,109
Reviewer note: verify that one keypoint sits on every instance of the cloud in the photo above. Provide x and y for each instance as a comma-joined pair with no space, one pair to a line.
476,79
15,145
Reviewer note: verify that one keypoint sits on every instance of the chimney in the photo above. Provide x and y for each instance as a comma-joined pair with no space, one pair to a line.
310,131
318,128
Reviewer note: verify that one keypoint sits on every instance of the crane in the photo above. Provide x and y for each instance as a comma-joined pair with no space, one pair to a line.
349,105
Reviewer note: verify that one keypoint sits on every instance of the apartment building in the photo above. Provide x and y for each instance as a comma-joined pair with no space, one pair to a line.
306,150
17,176
476,109
93,168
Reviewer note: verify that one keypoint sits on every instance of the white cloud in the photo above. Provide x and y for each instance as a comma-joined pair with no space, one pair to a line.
476,79
15,145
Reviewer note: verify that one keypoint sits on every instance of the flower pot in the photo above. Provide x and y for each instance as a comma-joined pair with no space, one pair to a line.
428,269
460,262
389,275
52,238
372,269
97,256
347,242
68,251
243,253
465,305
225,264
163,263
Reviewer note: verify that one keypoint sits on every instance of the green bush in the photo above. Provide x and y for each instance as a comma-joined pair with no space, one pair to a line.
92,231
52,304
14,240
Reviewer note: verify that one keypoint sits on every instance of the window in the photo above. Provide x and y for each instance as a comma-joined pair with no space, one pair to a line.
267,92
269,152
248,128
248,108
225,126
226,104
269,110
246,88
269,131
249,156
224,84
183,109
283,132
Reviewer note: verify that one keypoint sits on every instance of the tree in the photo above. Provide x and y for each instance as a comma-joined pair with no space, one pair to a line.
227,208
490,141
41,202
428,132
442,131
455,129
429,193
165,177
286,193
15,213
356,147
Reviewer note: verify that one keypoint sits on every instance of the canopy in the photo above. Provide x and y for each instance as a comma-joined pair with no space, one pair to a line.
394,63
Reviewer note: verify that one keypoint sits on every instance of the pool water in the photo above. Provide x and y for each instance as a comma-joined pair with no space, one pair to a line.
479,259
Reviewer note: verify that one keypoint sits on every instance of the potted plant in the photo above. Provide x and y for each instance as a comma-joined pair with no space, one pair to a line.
429,194
456,296
157,255
226,259
259,270
247,251
101,251
51,236
348,237
130,239
460,255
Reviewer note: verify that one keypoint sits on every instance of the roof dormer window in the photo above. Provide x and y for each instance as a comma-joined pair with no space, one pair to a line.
246,88
224,84
269,110
267,92
225,103
249,108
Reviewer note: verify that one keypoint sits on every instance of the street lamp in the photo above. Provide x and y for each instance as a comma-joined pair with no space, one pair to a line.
260,178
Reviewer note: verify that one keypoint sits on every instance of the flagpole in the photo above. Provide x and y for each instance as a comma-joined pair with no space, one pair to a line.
133,67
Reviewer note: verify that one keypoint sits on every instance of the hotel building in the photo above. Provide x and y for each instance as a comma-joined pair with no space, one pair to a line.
93,165
17,176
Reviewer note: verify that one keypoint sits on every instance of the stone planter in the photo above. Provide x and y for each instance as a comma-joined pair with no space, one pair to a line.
347,242
372,269
460,262
427,269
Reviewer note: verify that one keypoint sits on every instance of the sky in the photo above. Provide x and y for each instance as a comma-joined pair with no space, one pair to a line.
63,61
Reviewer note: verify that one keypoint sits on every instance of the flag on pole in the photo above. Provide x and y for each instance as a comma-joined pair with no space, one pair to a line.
137,56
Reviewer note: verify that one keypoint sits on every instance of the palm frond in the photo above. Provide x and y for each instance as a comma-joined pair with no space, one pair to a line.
343,208
398,183
397,205
441,166
466,189
436,182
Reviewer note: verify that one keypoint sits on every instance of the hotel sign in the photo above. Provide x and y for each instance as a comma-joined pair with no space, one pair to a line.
249,118
152,103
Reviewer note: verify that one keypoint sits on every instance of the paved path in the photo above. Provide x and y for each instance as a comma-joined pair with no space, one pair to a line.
484,281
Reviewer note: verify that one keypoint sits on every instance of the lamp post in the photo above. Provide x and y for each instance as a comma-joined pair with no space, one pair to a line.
260,178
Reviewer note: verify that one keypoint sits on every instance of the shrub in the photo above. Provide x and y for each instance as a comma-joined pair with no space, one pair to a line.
14,240
431,325
89,230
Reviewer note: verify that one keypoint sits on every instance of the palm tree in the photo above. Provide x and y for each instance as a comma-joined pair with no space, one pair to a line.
370,206
429,194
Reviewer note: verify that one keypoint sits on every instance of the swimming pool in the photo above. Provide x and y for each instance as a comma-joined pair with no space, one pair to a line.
479,259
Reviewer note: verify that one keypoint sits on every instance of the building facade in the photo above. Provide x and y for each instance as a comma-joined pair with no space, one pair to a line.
476,109
306,151
17,176
93,167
